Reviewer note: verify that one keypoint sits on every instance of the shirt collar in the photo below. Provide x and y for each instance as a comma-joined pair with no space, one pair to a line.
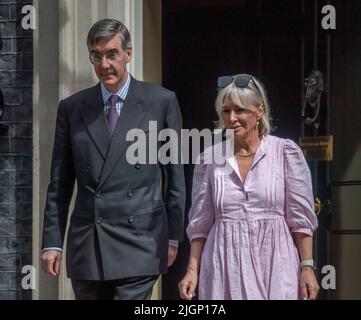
122,93
260,153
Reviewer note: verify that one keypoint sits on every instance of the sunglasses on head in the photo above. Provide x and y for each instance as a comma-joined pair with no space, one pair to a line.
240,81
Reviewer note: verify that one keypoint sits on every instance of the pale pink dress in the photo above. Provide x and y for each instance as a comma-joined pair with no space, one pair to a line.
249,252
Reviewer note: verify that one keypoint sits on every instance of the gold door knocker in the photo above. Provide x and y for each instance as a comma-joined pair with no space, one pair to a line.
318,206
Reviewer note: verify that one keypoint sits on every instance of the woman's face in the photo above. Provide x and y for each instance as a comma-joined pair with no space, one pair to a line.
242,121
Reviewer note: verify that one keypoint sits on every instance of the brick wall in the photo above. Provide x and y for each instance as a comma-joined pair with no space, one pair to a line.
15,150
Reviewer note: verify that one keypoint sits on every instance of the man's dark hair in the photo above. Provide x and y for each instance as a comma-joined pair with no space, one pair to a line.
107,29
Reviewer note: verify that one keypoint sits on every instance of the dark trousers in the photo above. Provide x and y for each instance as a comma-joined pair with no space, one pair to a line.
136,288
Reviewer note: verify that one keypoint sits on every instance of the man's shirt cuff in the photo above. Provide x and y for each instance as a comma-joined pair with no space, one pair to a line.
52,248
173,243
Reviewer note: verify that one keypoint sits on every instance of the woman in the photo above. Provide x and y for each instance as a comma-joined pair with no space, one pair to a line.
251,227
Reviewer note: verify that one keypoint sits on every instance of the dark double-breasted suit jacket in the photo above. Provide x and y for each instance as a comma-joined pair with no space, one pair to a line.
124,213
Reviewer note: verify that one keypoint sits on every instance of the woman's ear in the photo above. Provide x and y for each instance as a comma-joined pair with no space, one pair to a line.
260,111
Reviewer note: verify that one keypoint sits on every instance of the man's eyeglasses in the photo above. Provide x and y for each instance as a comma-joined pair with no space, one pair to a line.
240,81
97,58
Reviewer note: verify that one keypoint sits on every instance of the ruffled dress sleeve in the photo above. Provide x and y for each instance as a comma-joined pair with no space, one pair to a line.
201,213
300,212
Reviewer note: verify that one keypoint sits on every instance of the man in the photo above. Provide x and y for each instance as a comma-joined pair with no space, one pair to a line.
124,215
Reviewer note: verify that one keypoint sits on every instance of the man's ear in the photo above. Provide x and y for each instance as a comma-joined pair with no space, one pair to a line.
129,53
90,59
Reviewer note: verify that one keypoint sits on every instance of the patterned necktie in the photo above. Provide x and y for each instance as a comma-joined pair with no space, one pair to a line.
112,115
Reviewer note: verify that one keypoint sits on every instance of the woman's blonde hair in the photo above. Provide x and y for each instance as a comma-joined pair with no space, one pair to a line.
252,95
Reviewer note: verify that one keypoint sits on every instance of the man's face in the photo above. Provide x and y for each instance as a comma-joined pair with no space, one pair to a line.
109,61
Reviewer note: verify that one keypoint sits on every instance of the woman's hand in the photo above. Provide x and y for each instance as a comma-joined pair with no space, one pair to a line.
188,285
309,285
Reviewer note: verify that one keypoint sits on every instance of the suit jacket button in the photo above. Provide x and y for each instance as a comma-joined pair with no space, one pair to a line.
137,166
87,170
130,194
99,220
131,219
98,195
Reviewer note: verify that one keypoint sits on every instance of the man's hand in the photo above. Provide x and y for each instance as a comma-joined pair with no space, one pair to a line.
50,261
172,254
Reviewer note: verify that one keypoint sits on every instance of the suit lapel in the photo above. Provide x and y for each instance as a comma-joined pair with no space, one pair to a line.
132,113
92,112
